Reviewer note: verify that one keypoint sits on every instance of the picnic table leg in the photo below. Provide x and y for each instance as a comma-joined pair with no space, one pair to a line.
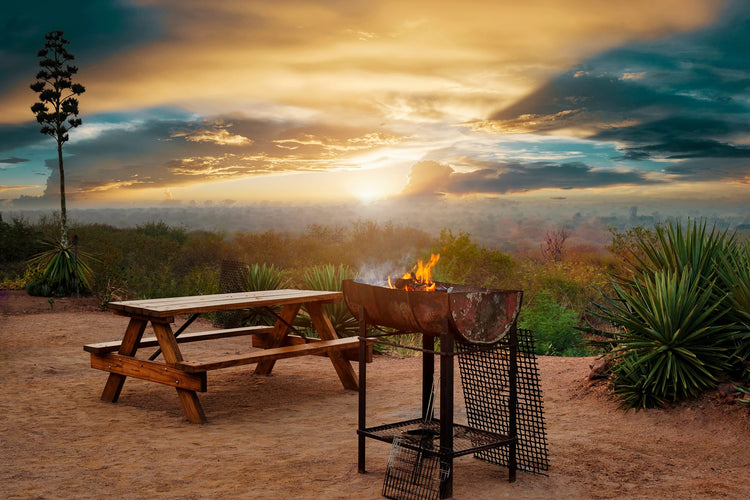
275,339
325,329
172,354
129,346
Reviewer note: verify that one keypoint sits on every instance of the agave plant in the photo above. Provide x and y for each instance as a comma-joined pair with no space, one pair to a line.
329,277
65,270
263,277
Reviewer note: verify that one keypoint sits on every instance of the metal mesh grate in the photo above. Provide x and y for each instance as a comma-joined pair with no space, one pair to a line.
233,278
413,474
484,376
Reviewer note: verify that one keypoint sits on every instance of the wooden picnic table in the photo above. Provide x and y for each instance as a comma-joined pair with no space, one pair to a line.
189,376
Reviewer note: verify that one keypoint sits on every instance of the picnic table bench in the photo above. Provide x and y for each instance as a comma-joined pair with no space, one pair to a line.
189,376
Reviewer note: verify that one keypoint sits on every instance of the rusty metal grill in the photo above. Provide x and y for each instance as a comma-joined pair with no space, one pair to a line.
486,386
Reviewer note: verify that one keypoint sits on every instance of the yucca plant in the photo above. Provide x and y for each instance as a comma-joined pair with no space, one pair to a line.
329,277
65,270
673,310
631,390
263,277
736,271
673,334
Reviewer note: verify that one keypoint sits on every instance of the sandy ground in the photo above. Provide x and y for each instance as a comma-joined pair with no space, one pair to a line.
293,434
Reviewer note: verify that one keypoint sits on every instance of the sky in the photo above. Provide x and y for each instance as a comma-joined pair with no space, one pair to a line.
323,102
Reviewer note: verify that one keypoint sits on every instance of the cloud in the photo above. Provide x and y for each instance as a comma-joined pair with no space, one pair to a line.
11,161
679,98
217,134
429,178
152,153
214,57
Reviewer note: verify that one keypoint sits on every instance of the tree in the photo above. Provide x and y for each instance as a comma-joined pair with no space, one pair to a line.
554,244
57,109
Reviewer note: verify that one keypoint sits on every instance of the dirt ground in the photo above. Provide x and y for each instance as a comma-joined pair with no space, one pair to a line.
293,434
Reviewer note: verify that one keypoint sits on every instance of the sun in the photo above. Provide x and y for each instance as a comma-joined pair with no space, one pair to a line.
369,186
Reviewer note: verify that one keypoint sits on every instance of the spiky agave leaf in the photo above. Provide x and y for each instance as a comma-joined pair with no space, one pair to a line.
329,277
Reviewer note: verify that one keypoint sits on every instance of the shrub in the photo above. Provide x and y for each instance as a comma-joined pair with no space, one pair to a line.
65,271
554,327
263,277
329,277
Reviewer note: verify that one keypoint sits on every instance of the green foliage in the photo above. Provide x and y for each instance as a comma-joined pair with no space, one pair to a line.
463,261
329,277
631,390
554,327
19,241
673,309
735,271
65,271
263,277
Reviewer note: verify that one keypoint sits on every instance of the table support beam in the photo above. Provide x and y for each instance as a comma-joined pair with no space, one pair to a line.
171,351
129,346
326,331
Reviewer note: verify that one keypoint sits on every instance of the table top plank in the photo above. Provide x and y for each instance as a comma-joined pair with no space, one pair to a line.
169,306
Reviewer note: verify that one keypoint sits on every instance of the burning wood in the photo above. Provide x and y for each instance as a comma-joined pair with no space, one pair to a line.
419,278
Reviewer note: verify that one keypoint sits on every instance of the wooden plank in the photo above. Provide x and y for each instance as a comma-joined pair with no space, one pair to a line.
148,370
260,341
170,306
269,354
103,347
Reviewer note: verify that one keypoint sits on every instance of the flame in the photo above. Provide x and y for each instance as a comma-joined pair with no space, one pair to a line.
421,275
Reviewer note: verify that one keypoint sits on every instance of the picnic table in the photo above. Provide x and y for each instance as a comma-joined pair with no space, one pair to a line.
189,376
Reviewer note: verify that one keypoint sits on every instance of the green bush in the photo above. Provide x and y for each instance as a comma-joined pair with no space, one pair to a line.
329,277
263,277
553,326
65,271
677,334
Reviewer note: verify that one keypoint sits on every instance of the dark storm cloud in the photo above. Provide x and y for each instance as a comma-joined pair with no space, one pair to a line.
95,29
12,161
428,178
22,134
685,97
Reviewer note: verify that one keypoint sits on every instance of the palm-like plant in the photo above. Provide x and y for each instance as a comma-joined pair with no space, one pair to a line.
329,277
64,270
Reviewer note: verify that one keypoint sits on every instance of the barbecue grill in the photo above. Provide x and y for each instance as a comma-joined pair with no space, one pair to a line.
465,319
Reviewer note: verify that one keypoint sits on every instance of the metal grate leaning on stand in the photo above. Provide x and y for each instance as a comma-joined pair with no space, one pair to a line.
484,376
413,473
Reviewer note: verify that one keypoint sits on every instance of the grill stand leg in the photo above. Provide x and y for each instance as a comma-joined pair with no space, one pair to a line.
446,413
362,390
